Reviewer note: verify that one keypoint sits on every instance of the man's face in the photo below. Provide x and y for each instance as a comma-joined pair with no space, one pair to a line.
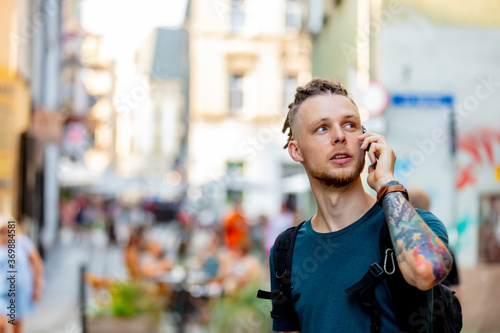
326,130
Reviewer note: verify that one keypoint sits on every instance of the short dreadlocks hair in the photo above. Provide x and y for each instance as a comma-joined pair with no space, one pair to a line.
315,87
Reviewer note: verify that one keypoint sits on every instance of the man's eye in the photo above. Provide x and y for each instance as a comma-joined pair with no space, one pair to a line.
321,129
351,126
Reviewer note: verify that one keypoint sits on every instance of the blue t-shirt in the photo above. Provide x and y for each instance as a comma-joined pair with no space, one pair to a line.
325,264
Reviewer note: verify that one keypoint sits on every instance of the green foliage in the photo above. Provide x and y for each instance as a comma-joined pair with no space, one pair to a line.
241,312
130,298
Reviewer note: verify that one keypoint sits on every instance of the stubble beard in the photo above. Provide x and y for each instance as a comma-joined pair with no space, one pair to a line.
338,180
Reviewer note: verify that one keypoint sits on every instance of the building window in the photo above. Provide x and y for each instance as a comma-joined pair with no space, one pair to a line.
237,15
290,84
293,15
235,94
234,195
234,169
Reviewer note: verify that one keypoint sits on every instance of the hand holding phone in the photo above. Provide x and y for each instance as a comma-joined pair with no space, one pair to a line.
378,150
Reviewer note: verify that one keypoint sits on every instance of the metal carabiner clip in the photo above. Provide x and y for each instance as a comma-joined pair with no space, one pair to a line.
280,276
392,259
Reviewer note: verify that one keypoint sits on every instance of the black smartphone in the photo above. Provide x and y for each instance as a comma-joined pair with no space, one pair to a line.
364,131
368,148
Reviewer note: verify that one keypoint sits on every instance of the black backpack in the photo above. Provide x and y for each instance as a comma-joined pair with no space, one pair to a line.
411,305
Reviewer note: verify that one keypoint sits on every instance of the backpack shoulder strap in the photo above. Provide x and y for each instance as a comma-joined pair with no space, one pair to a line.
283,251
412,316
282,258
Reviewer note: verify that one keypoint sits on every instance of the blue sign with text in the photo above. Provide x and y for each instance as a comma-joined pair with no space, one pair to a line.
422,100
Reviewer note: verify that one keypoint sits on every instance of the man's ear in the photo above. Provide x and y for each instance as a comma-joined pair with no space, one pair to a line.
294,151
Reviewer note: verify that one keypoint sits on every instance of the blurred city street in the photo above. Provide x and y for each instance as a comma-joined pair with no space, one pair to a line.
59,309
143,142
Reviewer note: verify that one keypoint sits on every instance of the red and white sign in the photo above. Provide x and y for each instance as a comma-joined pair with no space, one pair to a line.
375,99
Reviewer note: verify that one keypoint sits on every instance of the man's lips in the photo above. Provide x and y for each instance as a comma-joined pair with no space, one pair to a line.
340,158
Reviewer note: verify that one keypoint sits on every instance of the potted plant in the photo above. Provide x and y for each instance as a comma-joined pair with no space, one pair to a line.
241,312
125,306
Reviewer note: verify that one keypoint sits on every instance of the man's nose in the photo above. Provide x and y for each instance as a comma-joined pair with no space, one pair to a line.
338,135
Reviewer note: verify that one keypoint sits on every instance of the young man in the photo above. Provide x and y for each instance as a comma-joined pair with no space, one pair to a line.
335,248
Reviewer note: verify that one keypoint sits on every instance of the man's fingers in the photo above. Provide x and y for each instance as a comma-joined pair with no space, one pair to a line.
374,152
371,138
371,155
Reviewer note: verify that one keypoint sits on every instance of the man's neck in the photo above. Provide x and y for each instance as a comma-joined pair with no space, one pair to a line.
339,207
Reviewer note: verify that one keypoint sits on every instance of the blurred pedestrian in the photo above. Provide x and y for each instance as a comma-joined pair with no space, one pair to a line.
145,259
133,253
419,198
240,276
258,232
210,256
81,220
111,211
235,226
239,268
68,209
277,224
28,279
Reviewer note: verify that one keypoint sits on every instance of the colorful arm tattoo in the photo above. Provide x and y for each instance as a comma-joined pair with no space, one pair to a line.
411,236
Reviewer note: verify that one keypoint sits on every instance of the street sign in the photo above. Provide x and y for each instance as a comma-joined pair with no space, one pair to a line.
374,99
421,100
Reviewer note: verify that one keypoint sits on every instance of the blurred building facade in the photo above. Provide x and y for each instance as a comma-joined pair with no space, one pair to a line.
15,71
29,68
247,58
437,64
87,84
125,136
152,127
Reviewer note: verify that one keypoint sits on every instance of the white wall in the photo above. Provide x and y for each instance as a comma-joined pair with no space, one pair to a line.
418,57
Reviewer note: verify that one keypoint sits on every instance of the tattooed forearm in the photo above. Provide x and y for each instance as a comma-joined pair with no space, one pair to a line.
414,242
